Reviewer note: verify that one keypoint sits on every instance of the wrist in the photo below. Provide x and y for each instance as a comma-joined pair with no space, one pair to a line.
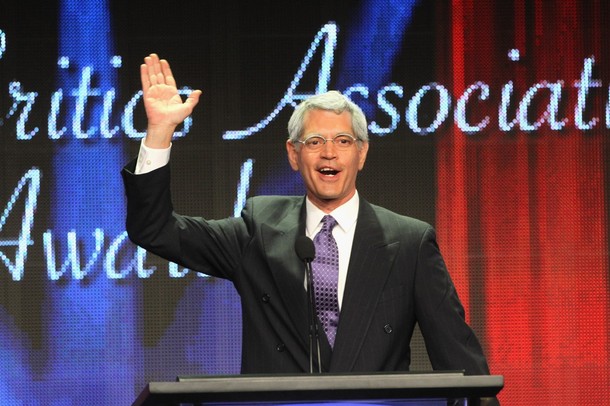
159,136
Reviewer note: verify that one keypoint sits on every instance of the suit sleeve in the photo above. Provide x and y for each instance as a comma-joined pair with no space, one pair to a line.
450,342
213,247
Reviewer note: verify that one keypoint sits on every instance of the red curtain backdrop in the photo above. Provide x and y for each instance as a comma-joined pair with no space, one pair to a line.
522,215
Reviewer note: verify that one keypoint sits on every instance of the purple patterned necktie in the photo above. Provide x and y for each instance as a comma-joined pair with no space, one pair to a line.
325,269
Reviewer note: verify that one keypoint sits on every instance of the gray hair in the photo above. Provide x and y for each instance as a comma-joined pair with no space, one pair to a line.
329,101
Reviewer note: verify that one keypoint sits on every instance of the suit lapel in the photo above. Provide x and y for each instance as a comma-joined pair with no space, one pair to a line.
287,269
370,263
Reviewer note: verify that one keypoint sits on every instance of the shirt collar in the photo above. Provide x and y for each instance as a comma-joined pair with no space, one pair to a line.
346,215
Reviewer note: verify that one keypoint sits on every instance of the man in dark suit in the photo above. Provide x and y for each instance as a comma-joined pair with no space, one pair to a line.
390,271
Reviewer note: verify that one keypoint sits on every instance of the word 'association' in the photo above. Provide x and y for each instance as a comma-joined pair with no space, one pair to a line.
536,107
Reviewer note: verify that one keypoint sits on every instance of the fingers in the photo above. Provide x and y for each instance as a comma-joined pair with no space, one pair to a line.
167,73
156,75
153,72
156,71
144,77
147,75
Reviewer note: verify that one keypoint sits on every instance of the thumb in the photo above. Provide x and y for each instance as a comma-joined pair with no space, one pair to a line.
193,99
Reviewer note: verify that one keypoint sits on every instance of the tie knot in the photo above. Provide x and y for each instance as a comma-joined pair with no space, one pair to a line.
328,222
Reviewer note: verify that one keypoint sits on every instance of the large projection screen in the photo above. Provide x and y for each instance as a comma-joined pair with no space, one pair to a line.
489,120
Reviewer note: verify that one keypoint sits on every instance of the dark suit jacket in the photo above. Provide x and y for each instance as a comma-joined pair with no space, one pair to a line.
396,278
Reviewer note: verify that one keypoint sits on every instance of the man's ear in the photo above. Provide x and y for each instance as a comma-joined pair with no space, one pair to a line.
364,149
292,153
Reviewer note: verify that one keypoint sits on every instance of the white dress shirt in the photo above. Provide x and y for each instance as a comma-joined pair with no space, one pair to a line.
150,159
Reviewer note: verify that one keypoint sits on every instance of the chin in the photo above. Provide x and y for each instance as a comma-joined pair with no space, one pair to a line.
328,196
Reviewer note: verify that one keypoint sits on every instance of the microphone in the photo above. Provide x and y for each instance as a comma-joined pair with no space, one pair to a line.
306,252
305,249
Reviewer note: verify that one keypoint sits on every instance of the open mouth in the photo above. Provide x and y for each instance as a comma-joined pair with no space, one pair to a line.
328,171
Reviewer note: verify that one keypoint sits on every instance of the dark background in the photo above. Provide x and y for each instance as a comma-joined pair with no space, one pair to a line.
541,192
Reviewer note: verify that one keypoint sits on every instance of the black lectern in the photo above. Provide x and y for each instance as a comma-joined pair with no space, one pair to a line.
446,388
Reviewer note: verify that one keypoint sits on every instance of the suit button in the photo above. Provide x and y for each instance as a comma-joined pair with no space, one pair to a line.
280,347
265,298
388,328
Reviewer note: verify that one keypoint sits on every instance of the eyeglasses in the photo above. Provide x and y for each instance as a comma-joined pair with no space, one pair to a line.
316,142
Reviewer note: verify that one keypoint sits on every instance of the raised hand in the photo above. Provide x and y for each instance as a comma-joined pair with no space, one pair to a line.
165,109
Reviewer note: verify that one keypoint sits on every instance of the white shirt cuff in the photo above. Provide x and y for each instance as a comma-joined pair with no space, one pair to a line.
150,159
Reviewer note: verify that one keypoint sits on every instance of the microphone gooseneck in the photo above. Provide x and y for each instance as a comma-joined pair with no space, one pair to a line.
306,252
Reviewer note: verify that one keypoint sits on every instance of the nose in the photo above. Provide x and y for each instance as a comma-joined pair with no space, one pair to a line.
328,149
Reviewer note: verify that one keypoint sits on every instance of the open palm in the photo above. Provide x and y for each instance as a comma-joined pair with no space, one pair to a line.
164,106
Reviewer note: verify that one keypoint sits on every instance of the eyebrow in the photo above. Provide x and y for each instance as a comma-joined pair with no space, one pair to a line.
336,134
